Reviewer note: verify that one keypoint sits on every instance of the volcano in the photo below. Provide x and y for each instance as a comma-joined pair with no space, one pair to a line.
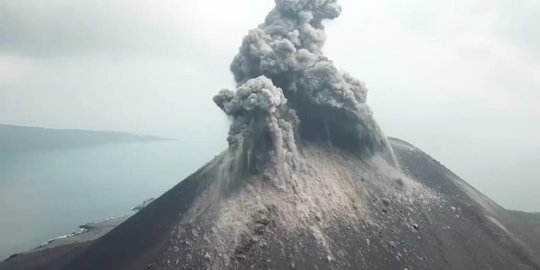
341,212
309,181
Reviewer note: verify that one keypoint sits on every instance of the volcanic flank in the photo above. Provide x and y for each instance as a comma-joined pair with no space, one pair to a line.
309,181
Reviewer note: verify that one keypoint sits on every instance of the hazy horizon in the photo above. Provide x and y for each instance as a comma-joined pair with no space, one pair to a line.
459,80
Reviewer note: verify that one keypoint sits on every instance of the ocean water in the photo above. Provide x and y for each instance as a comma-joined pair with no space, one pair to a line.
47,194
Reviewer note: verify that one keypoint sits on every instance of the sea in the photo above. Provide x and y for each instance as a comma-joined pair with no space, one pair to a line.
44,195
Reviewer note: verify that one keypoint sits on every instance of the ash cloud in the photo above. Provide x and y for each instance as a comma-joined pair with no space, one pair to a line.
287,50
262,126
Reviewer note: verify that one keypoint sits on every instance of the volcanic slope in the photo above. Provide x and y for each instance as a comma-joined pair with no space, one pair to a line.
345,212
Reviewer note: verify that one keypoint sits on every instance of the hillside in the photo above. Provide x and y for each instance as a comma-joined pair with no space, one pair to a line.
530,218
339,211
18,139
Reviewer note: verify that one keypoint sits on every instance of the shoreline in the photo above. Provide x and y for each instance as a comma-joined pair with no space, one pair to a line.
87,233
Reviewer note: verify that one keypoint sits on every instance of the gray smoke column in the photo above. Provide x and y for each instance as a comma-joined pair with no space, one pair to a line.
299,83
263,126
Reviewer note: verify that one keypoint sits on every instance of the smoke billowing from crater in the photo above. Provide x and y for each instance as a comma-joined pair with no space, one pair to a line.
263,126
286,84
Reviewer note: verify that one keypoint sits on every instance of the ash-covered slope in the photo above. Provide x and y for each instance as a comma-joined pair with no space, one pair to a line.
344,212
309,181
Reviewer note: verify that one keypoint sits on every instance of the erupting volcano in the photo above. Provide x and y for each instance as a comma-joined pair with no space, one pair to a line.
309,180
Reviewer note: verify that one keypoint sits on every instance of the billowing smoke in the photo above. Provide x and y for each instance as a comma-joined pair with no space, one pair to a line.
287,51
263,127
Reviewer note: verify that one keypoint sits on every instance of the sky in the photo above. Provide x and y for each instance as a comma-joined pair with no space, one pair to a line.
459,79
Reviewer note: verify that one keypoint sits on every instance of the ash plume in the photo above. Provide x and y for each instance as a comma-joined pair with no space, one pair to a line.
287,51
262,126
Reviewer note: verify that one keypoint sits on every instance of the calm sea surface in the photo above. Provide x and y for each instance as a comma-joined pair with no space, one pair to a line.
47,194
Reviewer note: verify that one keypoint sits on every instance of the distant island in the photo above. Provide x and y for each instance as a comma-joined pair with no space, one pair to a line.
20,139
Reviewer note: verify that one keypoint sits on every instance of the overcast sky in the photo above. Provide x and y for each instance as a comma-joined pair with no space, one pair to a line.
459,79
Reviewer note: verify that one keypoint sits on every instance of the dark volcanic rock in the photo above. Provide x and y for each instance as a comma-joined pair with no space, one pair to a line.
330,220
